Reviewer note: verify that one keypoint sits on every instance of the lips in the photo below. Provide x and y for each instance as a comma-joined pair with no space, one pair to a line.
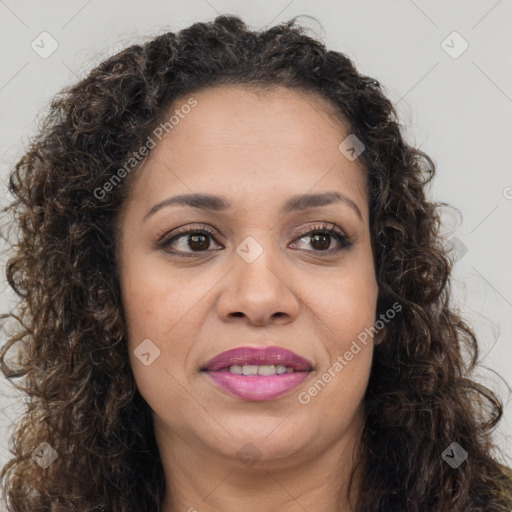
258,356
262,373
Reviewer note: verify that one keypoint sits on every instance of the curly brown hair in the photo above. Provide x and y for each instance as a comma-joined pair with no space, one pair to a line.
81,397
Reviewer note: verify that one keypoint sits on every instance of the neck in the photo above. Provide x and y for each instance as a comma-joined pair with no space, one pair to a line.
199,480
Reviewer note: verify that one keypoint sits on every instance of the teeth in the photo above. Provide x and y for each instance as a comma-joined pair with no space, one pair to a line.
250,369
263,369
267,369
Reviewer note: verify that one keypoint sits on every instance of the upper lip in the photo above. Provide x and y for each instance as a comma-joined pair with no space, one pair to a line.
258,356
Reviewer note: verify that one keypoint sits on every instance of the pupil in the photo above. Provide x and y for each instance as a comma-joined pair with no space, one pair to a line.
195,239
325,238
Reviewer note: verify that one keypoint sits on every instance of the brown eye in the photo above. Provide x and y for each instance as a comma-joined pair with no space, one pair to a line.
321,241
321,238
188,242
192,242
199,242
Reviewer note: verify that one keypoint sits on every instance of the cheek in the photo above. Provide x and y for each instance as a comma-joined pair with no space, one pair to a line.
349,344
346,321
345,306
156,309
336,394
344,316
156,301
166,307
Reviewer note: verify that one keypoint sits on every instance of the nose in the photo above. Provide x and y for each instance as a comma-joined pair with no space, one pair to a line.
258,293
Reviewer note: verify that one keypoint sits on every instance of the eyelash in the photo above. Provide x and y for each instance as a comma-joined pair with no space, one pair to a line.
332,230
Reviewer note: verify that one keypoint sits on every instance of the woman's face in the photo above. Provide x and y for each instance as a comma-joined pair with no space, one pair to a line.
260,280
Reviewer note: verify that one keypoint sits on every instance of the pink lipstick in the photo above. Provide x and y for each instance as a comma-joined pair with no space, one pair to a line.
258,373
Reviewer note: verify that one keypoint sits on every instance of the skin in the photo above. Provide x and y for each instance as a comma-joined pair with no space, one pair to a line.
256,149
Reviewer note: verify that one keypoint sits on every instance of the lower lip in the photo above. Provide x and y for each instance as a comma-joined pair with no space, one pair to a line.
257,387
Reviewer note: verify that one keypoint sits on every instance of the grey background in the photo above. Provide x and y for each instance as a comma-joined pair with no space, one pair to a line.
455,107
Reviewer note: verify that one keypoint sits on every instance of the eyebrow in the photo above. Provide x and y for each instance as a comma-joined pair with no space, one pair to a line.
216,203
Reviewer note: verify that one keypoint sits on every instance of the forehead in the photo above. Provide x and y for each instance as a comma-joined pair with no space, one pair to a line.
272,116
251,142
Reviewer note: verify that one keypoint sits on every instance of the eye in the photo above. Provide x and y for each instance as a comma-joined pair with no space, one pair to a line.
188,241
321,237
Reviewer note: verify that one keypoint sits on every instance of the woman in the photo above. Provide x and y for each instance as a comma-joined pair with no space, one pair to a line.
234,294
